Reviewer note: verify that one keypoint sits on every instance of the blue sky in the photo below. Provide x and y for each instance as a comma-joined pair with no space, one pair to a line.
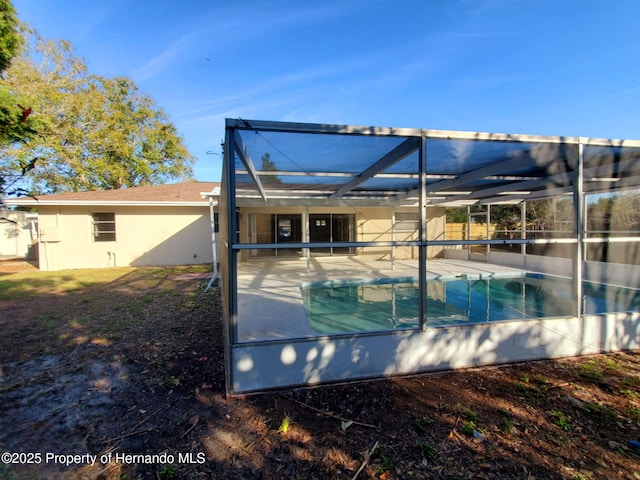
510,66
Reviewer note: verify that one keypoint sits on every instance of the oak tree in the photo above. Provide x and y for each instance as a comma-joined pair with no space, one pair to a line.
99,132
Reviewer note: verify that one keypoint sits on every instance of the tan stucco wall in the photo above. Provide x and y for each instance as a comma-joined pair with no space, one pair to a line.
372,225
144,236
17,239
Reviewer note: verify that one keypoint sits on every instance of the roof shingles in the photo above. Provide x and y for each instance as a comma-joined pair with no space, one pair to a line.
185,192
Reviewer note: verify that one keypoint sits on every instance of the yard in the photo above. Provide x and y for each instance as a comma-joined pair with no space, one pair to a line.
123,368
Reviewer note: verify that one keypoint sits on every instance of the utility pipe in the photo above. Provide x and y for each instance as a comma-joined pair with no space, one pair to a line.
213,245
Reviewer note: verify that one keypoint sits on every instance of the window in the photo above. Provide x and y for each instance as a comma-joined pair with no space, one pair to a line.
407,222
104,227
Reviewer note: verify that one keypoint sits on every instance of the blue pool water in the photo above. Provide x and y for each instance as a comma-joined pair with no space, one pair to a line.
383,304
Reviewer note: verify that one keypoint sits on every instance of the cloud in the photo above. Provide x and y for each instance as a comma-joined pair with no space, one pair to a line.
311,94
268,93
166,57
93,19
228,26
246,21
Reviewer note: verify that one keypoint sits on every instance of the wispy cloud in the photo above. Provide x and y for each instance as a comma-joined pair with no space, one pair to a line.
270,92
244,107
313,93
96,17
243,22
231,26
352,75
166,57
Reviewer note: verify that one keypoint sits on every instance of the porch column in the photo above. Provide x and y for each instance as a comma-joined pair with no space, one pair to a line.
305,237
579,215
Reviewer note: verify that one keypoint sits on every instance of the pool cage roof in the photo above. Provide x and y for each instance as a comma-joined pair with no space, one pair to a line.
279,163
313,168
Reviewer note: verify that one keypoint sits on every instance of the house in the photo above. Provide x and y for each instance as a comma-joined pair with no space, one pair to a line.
150,225
18,235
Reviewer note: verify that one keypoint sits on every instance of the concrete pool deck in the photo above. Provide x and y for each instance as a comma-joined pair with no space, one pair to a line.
270,304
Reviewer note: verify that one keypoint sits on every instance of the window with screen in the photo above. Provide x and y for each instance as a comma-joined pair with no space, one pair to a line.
104,226
407,222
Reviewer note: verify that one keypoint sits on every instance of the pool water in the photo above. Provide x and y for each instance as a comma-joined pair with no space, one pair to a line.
383,304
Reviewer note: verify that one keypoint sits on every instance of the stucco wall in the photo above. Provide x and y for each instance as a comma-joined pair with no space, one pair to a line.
16,235
321,360
144,236
372,225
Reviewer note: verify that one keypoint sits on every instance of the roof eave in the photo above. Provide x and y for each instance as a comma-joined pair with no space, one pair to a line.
19,202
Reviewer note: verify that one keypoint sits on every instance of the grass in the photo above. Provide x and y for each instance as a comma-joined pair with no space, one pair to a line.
628,393
591,371
168,472
427,450
423,423
610,364
634,413
594,370
466,412
469,427
534,389
506,422
385,464
31,284
91,306
600,412
561,420
21,285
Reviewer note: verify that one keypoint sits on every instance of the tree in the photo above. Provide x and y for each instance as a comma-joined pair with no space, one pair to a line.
102,133
507,219
10,39
269,166
457,215
460,214
615,213
16,123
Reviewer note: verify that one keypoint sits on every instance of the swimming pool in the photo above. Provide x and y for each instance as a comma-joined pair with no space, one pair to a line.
392,303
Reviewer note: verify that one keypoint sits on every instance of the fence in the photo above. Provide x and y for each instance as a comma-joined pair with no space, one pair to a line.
461,231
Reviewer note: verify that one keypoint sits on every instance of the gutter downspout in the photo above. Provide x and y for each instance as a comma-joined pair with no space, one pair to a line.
213,246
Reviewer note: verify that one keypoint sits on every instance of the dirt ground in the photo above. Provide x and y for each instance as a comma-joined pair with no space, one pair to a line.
132,372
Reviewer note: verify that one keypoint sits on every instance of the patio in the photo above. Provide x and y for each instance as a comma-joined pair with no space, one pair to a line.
270,304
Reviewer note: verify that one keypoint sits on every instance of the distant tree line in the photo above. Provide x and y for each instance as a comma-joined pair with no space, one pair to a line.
618,212
608,215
